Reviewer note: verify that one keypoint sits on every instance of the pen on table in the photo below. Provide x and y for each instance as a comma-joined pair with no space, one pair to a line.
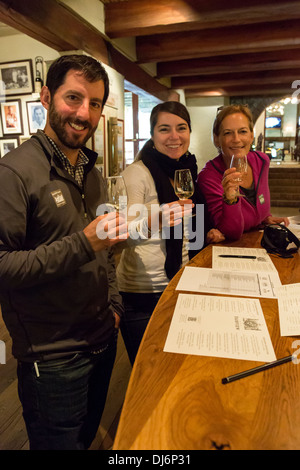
237,256
246,373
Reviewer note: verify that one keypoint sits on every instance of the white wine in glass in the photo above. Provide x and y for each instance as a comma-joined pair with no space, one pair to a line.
116,193
183,184
239,162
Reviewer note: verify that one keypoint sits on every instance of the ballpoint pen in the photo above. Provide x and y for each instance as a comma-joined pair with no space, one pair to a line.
237,256
246,373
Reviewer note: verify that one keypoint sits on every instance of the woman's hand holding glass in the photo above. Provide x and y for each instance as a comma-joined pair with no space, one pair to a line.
184,189
173,212
233,176
183,184
169,214
239,162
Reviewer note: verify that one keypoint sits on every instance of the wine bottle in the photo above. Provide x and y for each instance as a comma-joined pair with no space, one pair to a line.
38,82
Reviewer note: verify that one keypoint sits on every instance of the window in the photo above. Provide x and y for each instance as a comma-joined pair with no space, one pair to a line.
137,123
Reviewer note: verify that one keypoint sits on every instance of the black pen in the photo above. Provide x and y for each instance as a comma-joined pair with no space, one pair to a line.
237,256
246,373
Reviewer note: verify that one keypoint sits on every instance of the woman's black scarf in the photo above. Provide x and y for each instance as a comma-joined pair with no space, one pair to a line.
162,169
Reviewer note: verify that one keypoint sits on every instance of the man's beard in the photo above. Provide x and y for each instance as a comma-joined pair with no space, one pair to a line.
58,124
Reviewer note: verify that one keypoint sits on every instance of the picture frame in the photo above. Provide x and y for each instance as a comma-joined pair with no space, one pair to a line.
16,78
6,145
23,139
121,144
11,117
36,114
116,145
99,145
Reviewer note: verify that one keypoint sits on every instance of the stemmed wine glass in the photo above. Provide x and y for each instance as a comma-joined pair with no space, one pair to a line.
183,184
239,162
116,193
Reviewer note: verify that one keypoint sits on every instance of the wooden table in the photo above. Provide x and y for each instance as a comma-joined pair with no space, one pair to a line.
177,401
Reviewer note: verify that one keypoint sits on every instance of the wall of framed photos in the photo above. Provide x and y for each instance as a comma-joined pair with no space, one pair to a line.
20,109
21,112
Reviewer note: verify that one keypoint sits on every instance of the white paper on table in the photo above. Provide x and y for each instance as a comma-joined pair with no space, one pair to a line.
289,309
212,281
294,219
262,263
219,326
295,229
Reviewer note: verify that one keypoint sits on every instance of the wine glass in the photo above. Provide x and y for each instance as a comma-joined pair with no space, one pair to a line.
239,162
183,184
116,193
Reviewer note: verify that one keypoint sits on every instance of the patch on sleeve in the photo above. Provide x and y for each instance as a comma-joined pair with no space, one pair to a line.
58,198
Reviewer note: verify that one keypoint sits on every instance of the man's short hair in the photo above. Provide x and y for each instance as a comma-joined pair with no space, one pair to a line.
91,69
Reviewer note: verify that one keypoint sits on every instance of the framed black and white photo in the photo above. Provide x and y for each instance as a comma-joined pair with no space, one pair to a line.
36,114
16,78
6,145
11,117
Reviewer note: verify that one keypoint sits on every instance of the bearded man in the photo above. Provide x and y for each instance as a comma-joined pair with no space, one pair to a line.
58,289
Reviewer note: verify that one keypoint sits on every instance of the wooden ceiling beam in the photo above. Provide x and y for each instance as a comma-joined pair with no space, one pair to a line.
252,62
222,41
235,45
53,24
249,90
13,16
141,17
266,77
60,28
134,74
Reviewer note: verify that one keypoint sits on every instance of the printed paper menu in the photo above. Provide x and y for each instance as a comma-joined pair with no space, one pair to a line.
260,261
289,309
219,326
248,284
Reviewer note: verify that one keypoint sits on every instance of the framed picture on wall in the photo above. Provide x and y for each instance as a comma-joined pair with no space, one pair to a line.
36,114
23,139
6,145
99,145
16,78
116,146
121,144
11,117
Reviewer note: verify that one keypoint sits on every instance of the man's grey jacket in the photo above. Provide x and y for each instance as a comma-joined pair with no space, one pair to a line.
57,296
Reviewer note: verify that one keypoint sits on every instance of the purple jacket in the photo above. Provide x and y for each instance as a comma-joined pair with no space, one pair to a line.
233,220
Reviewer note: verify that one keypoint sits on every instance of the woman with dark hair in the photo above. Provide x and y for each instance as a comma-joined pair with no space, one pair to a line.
147,265
231,214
